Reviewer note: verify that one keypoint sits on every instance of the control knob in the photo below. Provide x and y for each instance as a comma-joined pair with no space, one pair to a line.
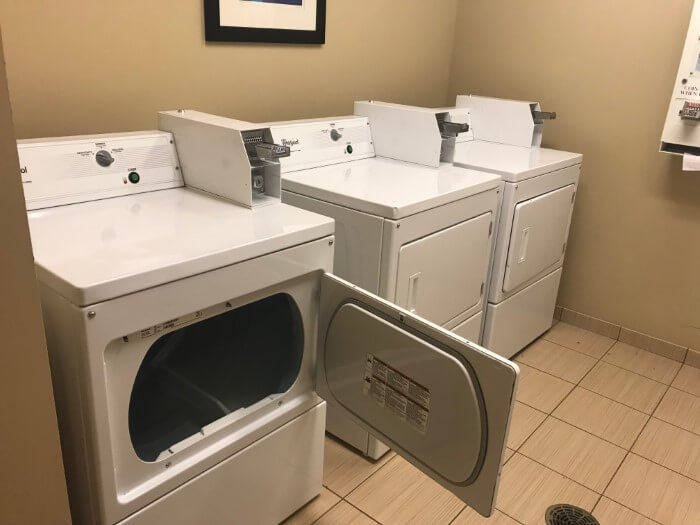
104,158
336,135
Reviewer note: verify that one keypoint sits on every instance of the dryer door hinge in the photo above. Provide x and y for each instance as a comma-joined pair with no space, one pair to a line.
573,197
482,289
490,228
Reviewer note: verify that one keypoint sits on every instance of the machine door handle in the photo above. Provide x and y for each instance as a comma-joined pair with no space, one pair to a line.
413,292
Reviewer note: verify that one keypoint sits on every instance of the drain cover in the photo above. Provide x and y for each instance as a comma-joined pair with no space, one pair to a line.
569,515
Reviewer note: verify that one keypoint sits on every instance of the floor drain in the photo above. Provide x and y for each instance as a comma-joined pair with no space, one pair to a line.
569,515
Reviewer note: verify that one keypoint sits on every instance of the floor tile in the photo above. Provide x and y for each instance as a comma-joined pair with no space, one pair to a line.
508,454
579,339
345,514
680,409
344,468
523,422
653,345
400,493
656,492
642,362
576,454
556,360
624,386
470,517
314,509
539,390
688,380
671,447
601,416
609,512
528,489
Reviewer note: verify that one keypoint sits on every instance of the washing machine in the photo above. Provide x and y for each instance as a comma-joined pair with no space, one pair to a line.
193,340
418,233
540,187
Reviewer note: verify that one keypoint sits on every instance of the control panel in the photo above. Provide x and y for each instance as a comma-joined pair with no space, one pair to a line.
322,142
681,133
78,169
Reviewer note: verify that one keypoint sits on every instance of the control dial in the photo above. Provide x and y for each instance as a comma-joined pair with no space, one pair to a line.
335,135
104,158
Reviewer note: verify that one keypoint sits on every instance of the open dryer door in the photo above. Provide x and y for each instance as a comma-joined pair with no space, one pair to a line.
439,401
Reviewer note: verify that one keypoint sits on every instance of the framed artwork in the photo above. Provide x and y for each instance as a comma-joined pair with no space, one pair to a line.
274,21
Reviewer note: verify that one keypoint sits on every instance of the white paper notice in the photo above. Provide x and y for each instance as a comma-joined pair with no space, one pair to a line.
691,162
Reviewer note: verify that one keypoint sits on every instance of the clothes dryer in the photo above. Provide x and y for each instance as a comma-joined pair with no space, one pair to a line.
418,235
192,341
540,187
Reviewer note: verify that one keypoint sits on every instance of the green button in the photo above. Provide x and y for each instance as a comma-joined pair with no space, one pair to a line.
349,148
134,177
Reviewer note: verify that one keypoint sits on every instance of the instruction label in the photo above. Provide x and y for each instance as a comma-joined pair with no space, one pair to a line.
172,323
398,393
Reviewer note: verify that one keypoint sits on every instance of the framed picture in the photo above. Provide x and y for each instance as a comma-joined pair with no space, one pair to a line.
274,21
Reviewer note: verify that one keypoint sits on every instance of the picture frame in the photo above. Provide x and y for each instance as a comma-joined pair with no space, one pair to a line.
270,21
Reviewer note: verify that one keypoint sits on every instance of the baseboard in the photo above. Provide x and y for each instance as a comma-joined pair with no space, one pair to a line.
632,337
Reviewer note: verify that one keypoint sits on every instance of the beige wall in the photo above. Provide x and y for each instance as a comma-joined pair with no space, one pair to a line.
32,485
78,66
608,69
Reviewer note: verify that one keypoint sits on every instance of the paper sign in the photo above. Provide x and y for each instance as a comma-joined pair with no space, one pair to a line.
691,162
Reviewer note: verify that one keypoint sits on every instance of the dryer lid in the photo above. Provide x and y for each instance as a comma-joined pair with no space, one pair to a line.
513,163
95,251
389,188
440,401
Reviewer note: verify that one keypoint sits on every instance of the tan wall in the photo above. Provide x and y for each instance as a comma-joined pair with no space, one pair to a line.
32,484
78,66
608,69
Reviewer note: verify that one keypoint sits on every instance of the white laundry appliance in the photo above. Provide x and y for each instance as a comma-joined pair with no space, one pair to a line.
189,337
533,227
416,233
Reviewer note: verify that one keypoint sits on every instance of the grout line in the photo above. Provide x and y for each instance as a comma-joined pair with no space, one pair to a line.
327,511
556,472
370,476
629,450
596,435
358,509
624,506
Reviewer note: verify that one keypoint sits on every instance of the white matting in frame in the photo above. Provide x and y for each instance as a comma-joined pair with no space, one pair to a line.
269,14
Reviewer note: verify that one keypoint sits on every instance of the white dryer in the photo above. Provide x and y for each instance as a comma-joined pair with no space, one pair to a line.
188,337
417,235
533,227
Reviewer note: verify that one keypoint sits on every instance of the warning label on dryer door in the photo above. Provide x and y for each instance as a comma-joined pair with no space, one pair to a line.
398,393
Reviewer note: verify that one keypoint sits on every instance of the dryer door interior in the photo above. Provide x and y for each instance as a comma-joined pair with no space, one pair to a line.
440,276
538,236
439,401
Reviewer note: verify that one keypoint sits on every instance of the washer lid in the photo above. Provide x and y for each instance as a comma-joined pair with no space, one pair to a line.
388,188
513,163
99,250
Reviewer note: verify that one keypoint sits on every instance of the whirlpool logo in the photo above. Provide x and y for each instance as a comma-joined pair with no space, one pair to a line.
290,142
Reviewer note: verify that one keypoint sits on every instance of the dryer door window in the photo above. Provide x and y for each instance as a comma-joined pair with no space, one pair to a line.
537,239
440,276
208,370
439,401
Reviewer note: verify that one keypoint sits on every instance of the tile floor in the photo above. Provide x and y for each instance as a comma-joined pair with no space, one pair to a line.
597,423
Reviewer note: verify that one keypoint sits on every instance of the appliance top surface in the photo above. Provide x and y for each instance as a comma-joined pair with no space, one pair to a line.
94,251
513,163
388,188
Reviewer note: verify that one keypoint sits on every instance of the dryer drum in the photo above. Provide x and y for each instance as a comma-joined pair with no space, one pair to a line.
197,374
